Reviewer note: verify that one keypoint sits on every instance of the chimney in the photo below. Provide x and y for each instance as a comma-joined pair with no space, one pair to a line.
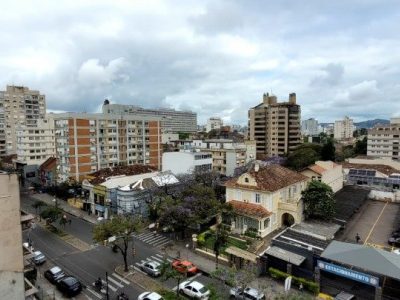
292,98
256,167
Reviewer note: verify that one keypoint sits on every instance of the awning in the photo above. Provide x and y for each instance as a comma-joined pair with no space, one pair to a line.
285,255
241,253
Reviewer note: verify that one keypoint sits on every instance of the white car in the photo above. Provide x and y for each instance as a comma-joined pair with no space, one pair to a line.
152,268
150,296
194,289
246,294
38,258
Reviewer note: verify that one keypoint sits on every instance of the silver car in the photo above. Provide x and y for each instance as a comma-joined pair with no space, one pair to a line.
246,294
152,268
38,258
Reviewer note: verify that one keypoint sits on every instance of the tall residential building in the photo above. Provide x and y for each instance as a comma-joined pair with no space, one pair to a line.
36,144
171,120
214,123
310,127
86,143
384,141
22,108
343,129
3,150
275,126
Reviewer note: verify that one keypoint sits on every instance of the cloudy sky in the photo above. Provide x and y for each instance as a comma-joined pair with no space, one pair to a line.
216,58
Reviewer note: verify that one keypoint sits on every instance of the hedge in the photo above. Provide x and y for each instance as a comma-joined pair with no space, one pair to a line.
311,286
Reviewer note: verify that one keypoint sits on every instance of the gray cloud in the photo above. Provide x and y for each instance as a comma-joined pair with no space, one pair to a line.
214,58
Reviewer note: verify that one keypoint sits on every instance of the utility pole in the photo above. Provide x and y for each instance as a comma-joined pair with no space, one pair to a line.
107,295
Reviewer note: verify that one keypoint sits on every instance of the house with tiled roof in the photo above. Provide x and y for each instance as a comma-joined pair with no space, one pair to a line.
327,172
265,199
48,172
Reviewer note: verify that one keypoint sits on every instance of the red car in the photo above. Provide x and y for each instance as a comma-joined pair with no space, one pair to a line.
185,267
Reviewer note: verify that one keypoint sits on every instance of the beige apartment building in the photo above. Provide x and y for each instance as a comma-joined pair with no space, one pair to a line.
22,107
35,145
2,133
275,126
343,129
86,143
384,141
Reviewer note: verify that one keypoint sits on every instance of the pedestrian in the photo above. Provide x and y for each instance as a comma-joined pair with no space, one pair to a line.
301,287
358,238
70,221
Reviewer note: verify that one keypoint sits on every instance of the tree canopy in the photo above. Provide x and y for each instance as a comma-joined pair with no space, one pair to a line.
318,201
328,150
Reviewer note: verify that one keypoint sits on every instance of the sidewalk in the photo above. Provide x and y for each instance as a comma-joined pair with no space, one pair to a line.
48,199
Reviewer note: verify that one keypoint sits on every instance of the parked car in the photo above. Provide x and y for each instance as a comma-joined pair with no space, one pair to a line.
184,267
194,289
38,258
54,274
152,268
394,241
150,296
345,296
69,286
246,294
396,234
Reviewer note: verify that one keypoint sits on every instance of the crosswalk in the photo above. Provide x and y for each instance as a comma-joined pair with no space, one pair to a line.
157,257
154,239
115,283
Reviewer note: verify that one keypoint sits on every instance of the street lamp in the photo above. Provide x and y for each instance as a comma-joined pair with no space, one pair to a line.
55,201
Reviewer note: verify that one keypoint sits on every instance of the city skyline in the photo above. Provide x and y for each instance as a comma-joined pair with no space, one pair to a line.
213,59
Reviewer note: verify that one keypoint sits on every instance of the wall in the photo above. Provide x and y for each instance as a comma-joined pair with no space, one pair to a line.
11,259
384,196
177,162
378,161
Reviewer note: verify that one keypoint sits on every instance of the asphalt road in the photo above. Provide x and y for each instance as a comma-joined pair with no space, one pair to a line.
89,265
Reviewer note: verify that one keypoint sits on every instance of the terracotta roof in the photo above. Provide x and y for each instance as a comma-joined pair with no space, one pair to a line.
388,170
101,175
249,209
48,164
270,178
317,169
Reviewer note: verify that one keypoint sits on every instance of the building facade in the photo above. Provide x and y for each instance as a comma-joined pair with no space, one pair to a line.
214,123
265,199
275,126
86,143
343,129
384,141
327,172
3,142
226,154
310,127
22,109
36,144
171,120
186,162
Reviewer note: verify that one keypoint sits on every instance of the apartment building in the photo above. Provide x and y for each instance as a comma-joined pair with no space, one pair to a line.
226,154
171,120
214,123
186,162
86,143
275,126
36,144
384,141
3,150
22,108
343,129
310,127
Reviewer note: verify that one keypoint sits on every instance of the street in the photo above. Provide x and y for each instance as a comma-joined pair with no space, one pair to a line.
88,265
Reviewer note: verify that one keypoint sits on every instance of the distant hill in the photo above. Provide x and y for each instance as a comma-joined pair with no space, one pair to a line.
371,123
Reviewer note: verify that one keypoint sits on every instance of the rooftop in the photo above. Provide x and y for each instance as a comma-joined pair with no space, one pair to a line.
249,209
270,178
387,170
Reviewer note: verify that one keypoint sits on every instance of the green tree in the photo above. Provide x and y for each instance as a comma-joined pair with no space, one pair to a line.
38,205
328,150
318,201
361,146
301,158
51,214
120,227
168,272
183,135
221,238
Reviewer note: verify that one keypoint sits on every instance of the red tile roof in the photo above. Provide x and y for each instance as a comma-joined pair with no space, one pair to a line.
249,209
317,169
269,178
48,164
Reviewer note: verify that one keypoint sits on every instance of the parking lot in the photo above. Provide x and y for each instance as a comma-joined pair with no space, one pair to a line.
374,222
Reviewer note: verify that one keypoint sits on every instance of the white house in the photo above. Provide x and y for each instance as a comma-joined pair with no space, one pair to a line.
185,162
327,172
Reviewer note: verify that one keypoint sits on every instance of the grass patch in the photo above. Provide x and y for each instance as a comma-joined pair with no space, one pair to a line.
207,240
55,230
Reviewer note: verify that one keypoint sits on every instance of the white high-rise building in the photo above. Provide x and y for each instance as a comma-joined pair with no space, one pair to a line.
22,108
384,141
214,123
310,127
343,129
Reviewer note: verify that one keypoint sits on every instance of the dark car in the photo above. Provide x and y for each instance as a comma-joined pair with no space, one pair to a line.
54,274
394,241
396,234
69,286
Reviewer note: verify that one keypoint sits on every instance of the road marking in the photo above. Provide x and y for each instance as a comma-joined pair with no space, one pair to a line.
141,237
195,276
151,238
115,282
94,293
120,278
159,255
373,226
109,286
137,269
155,240
157,259
161,244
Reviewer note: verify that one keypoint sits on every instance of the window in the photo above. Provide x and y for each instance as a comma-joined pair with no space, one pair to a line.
257,198
266,223
246,180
